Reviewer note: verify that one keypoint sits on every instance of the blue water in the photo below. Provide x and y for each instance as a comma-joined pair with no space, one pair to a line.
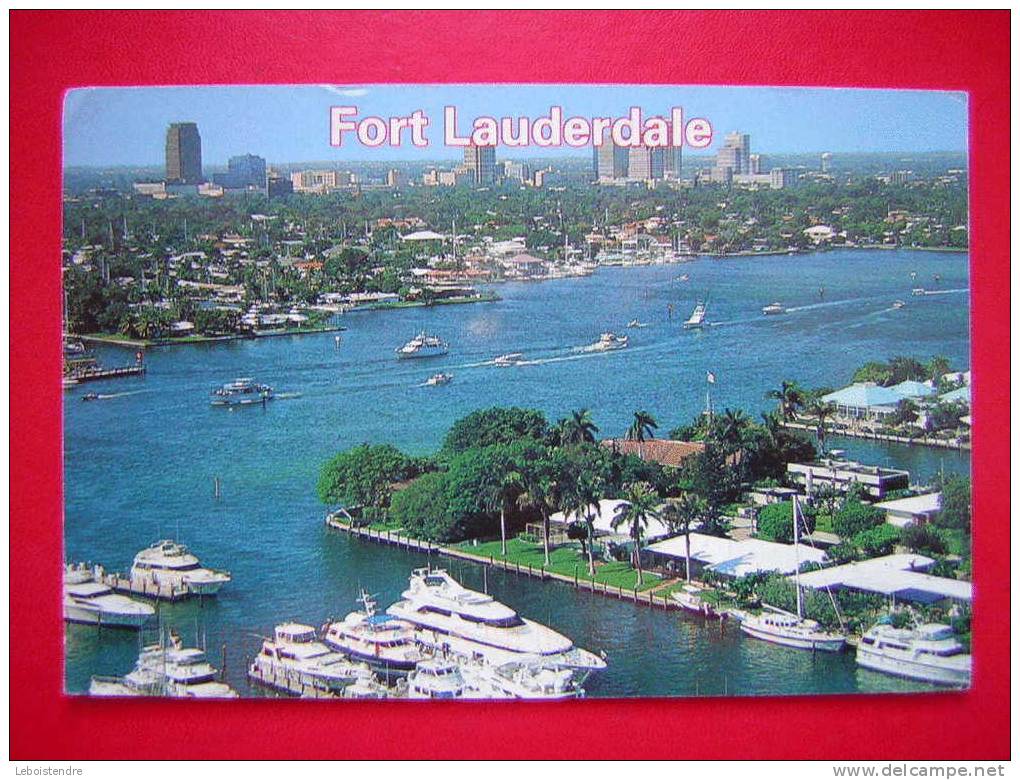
140,465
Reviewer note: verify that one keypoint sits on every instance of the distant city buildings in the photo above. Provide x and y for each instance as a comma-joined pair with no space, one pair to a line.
322,181
481,162
183,153
247,171
734,159
783,177
645,162
826,161
609,161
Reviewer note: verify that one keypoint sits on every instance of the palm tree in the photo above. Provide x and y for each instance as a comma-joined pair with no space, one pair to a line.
582,499
508,483
790,398
642,426
733,427
579,428
679,517
536,494
938,367
638,507
822,412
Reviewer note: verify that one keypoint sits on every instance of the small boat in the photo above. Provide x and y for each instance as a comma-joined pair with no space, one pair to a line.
519,681
683,278
90,397
774,308
918,291
436,679
785,628
898,304
609,341
87,599
168,563
243,391
697,318
637,324
509,359
929,652
691,599
422,346
439,379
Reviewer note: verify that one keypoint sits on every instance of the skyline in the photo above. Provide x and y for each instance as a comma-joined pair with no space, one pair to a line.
126,126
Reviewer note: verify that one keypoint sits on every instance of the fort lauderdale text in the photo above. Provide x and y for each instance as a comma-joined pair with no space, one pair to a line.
549,130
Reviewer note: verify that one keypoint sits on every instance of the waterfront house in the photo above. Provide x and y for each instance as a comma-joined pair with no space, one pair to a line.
864,401
730,557
665,452
902,576
840,474
603,522
915,510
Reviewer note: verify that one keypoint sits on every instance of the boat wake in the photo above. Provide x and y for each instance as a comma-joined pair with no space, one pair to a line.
947,292
107,396
285,396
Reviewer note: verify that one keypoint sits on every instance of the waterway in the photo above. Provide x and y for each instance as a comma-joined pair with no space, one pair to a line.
140,464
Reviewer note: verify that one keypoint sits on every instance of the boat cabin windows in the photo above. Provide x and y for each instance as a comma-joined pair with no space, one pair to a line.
149,565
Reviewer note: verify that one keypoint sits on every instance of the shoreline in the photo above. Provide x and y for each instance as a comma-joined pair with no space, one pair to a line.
123,341
924,441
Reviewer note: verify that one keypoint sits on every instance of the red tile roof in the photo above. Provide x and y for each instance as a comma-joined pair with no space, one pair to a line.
666,452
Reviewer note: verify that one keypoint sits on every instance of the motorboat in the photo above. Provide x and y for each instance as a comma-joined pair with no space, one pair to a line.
243,391
439,379
785,628
930,652
683,278
508,360
422,346
898,304
697,318
90,397
294,659
609,341
773,308
637,324
918,291
436,679
382,641
169,563
87,599
520,681
691,598
451,619
167,669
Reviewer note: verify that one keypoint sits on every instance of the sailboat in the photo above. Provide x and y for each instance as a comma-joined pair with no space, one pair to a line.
784,628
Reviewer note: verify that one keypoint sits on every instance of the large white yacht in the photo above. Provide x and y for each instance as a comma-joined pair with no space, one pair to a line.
295,658
167,669
381,640
88,600
520,681
423,345
697,318
929,652
449,618
169,563
243,391
609,341
784,628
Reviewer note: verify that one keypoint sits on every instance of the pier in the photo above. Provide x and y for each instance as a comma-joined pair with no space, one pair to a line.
292,683
94,373
142,587
856,433
645,598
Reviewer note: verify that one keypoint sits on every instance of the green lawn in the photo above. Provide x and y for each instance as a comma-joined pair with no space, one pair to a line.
565,560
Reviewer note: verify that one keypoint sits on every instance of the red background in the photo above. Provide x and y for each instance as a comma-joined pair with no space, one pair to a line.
53,51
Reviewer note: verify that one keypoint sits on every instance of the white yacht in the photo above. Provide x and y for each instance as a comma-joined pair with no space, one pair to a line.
784,628
423,345
691,599
918,291
88,600
436,679
929,652
609,341
520,681
637,324
242,392
295,657
167,669
509,359
169,563
773,308
449,618
382,641
899,304
439,379
697,318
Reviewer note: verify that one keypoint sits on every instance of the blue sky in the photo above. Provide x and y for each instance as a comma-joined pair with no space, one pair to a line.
127,126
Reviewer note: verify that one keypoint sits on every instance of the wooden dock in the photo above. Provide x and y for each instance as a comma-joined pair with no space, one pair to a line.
856,433
293,683
95,373
646,598
146,588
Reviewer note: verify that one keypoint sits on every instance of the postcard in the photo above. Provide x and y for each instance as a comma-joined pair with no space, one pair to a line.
408,392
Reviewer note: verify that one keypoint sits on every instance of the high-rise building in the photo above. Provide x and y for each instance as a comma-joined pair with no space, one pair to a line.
754,164
672,162
183,153
645,163
481,160
826,161
734,155
609,161
243,172
784,177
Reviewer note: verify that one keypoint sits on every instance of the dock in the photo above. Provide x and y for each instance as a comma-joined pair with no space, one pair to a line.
645,598
94,373
853,433
146,588
294,683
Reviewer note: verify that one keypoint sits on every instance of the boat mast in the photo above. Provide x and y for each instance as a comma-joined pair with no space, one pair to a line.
796,557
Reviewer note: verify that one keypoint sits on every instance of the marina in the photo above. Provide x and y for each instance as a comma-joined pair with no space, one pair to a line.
265,523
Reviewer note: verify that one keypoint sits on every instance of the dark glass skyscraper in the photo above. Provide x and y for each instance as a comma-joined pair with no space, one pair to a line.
183,153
